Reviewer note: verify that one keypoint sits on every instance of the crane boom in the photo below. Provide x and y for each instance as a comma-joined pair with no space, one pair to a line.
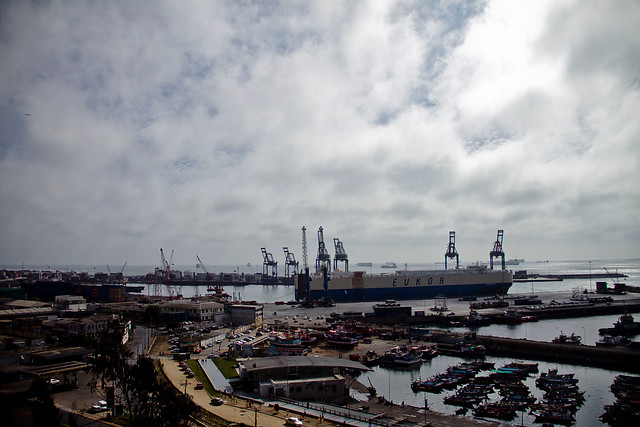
201,265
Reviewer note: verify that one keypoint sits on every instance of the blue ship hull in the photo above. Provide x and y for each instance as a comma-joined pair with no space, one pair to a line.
408,293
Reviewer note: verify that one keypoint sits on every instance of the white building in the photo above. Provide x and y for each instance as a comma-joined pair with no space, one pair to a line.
194,310
71,303
245,314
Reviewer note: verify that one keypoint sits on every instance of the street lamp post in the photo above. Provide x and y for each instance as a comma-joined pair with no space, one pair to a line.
425,411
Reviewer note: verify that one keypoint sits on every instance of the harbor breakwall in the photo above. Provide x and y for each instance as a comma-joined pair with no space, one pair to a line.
614,358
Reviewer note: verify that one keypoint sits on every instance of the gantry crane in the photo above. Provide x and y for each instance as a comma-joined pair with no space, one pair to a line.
305,264
267,261
451,250
289,261
323,259
340,255
497,250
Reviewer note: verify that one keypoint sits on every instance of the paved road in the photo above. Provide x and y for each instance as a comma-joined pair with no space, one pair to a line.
233,410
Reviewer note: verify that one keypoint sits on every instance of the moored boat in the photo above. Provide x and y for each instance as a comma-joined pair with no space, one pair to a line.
564,339
340,339
625,325
370,358
495,410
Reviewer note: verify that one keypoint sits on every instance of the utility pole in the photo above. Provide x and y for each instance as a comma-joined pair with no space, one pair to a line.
425,411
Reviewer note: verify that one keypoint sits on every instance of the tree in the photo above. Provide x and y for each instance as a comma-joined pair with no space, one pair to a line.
149,399
44,412
111,366
153,314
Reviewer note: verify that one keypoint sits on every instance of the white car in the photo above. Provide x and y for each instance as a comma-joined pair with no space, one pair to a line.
101,406
53,381
293,421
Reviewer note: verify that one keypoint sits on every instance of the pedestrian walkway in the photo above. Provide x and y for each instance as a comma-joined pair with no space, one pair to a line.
214,375
332,413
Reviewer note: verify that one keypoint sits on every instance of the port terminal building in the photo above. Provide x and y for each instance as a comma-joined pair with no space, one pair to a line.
318,379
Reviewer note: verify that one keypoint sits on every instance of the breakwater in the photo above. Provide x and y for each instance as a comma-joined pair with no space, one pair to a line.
617,358
539,311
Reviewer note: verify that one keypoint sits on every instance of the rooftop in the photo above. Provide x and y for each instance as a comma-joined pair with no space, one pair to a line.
265,363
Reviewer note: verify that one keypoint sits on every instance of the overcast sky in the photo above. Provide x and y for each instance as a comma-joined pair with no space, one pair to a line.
217,128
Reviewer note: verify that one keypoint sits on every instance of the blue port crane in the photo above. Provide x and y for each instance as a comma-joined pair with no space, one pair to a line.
268,263
323,258
497,250
451,250
289,261
340,256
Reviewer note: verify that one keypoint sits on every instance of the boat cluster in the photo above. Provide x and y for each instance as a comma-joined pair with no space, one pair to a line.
397,356
626,409
560,401
452,378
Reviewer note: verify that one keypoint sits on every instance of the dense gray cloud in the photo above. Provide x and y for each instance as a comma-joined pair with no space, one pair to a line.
217,128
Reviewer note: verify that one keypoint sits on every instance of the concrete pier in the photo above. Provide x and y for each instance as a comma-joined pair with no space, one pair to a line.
614,358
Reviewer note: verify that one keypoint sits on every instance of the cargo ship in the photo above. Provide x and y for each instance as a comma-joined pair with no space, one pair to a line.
405,284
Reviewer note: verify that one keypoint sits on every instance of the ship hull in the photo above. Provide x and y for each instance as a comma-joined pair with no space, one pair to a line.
359,286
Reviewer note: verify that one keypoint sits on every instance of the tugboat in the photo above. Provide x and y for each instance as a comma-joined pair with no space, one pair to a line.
511,316
476,319
625,325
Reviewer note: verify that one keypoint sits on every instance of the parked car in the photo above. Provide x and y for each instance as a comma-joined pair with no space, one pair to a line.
216,401
293,421
53,381
101,406
199,386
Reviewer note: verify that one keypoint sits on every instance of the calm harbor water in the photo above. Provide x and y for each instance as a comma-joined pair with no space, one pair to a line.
394,384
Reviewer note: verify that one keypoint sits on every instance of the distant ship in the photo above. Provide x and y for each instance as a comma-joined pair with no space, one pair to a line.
364,264
514,261
389,264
